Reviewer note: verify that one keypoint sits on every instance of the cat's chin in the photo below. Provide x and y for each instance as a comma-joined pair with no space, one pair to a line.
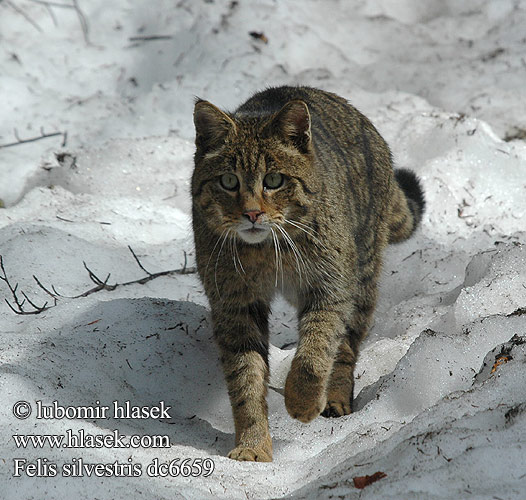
253,235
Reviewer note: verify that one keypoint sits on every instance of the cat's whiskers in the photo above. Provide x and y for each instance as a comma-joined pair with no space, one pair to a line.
213,249
237,253
328,264
274,241
311,232
280,259
301,265
231,248
234,252
307,230
226,233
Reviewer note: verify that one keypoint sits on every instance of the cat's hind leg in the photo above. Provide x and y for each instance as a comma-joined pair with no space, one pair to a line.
340,391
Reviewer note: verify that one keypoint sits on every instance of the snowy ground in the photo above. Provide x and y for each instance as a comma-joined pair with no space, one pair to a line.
442,407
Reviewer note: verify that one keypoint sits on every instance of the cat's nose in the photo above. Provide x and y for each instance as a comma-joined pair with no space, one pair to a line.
252,215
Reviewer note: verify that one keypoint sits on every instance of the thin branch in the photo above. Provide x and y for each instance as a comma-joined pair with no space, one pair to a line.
139,262
48,6
32,303
54,4
42,135
75,6
100,284
185,261
83,23
26,17
52,15
19,309
92,276
149,38
62,219
53,294
12,308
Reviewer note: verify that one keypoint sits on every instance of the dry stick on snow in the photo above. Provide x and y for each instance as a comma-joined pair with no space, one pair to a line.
18,308
52,15
54,4
48,6
99,285
149,38
22,13
42,135
83,23
75,6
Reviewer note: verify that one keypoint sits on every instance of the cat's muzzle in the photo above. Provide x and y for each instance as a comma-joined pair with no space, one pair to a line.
253,232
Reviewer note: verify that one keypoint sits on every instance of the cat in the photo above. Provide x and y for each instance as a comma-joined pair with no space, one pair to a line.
294,192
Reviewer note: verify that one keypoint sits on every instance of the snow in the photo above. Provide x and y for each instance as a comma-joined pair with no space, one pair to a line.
441,387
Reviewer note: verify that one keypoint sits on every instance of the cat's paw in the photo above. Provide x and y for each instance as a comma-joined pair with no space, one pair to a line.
337,409
304,395
256,454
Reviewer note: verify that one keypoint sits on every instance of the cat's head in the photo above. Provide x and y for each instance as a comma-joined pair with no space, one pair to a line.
253,174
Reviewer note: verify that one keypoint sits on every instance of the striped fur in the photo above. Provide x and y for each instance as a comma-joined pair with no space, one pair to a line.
320,242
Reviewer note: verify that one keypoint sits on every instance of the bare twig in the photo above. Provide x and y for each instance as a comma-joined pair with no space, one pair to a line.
149,38
53,294
75,5
54,4
18,307
42,135
52,14
98,282
184,265
62,219
139,262
409,256
48,6
22,13
83,23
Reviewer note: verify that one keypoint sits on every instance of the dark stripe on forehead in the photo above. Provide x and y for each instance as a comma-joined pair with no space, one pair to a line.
247,164
258,158
241,162
250,181
248,159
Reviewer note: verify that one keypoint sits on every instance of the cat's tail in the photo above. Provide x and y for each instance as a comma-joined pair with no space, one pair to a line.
407,205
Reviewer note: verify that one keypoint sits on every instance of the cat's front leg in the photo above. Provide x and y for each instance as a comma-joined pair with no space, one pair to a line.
320,332
242,336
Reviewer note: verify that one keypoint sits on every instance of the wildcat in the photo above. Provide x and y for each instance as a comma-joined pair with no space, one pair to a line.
293,192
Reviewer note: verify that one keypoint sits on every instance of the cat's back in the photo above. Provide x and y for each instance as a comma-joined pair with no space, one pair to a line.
273,99
351,156
339,130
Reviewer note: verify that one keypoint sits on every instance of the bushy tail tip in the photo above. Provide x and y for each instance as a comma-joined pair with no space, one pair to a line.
412,189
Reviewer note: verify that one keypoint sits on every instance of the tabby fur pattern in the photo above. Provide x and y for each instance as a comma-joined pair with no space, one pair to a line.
294,192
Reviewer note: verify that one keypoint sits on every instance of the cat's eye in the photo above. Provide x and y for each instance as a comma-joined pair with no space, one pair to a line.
274,180
229,182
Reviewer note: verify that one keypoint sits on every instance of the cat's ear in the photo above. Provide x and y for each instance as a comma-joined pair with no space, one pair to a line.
293,124
212,126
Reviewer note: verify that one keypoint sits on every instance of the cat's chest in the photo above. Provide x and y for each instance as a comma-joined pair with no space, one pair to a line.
290,291
275,269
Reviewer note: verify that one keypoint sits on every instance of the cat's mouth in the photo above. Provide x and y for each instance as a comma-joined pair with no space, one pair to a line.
253,234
